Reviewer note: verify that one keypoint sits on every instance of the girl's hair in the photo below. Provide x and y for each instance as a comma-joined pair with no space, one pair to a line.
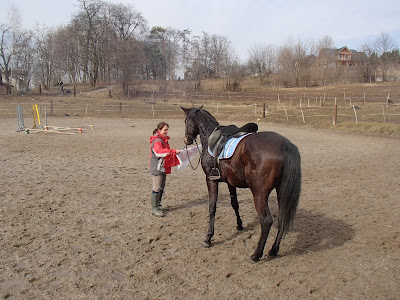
160,126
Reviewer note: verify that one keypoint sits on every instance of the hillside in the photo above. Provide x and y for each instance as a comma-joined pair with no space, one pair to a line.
299,107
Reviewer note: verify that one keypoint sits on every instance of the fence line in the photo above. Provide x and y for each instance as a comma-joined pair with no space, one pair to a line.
275,109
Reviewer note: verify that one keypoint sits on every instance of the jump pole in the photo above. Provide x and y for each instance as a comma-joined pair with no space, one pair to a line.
20,119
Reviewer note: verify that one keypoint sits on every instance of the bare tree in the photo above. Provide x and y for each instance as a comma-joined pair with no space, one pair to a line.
6,51
44,56
24,60
204,58
294,64
128,25
262,60
325,52
162,50
384,44
220,46
66,55
10,36
90,30
234,71
16,56
371,62
186,56
126,21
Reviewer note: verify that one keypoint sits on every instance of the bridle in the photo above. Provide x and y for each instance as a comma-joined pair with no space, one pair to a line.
195,140
187,152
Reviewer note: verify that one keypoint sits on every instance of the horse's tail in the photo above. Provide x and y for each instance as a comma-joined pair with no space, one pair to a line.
290,187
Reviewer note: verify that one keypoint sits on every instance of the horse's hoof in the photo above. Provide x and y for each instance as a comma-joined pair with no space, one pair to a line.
240,228
254,259
206,244
272,253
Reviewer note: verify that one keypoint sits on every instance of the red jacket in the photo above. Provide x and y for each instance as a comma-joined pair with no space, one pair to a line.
160,149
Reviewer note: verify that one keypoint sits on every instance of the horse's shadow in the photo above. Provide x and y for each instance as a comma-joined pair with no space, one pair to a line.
189,204
314,231
318,232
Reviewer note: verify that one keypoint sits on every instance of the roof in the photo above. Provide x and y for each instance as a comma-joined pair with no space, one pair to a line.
356,55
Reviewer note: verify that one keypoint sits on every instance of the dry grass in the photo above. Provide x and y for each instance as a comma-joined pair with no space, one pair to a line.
373,115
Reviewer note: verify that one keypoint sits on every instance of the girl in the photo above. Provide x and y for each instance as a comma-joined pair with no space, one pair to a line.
159,150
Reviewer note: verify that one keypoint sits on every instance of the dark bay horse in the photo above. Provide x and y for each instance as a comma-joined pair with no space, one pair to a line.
262,161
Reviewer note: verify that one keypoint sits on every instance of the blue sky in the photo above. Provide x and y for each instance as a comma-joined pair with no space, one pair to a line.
244,22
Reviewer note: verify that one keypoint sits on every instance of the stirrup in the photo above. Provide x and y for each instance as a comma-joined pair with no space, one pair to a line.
215,174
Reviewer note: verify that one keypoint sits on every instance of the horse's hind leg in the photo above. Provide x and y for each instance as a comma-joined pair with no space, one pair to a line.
275,247
261,204
235,206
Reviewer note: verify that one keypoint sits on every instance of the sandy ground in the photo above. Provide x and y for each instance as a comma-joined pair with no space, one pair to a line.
75,220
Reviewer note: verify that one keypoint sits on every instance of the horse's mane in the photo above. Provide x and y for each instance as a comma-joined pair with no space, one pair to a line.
211,119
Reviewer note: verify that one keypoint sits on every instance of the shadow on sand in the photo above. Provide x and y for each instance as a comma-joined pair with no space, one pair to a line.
315,231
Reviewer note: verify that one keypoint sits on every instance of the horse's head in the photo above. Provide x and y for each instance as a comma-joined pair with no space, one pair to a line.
191,126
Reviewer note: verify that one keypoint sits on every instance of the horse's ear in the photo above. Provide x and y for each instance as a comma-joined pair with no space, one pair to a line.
186,110
201,107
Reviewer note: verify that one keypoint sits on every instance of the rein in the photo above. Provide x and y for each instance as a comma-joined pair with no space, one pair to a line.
195,140
198,163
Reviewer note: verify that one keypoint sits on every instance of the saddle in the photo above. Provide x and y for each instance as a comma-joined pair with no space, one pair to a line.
218,139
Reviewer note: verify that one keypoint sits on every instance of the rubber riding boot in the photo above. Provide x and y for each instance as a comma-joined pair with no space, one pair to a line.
163,208
154,208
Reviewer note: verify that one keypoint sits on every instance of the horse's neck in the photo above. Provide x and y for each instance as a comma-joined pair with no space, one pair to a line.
204,140
206,128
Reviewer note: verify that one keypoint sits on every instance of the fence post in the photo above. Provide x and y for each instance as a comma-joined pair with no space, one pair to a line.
40,89
355,114
383,112
264,111
109,93
335,113
120,109
74,90
279,101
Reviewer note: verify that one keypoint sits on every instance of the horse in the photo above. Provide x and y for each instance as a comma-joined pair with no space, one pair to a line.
262,161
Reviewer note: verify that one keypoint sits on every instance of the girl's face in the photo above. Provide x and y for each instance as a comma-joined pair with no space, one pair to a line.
163,131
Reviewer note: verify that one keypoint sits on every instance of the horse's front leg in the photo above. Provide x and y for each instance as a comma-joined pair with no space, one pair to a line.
213,196
235,206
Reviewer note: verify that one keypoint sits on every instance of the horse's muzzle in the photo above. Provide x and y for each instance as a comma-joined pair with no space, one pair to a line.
188,141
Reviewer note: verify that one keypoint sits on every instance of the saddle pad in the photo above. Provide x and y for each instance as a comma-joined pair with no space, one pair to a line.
229,147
